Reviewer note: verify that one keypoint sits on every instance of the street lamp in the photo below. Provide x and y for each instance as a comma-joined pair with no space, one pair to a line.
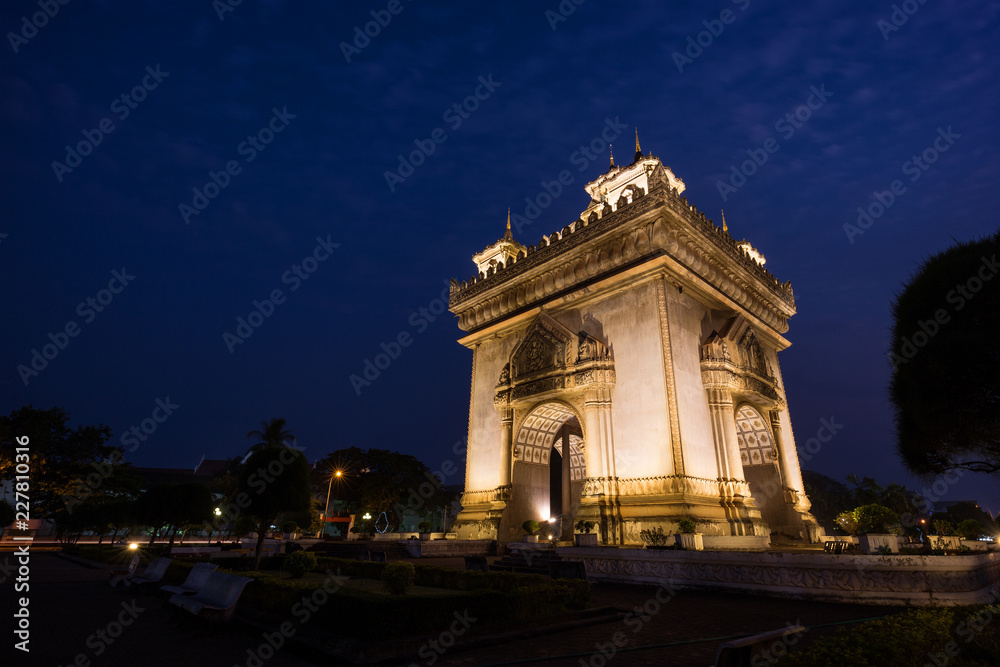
326,510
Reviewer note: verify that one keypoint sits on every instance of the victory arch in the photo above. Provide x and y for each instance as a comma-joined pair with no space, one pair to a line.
625,372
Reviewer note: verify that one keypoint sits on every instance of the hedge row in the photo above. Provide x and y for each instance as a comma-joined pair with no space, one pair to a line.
953,636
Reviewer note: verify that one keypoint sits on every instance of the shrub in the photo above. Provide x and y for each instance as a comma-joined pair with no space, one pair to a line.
913,637
398,577
585,526
654,537
943,527
874,518
424,526
687,525
300,562
289,527
847,523
970,529
531,526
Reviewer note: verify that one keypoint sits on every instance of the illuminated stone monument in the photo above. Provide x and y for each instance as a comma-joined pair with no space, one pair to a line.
625,372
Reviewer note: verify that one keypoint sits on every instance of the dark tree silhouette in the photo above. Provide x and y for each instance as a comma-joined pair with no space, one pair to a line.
276,481
946,362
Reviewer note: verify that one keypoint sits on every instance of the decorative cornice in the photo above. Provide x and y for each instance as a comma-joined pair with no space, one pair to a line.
589,249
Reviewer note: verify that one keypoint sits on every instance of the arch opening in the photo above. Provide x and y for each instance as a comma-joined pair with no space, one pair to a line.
548,473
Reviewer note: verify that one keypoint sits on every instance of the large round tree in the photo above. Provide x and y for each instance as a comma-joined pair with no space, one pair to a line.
946,361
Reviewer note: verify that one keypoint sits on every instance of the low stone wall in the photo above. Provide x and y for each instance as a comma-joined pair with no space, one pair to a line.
449,548
916,580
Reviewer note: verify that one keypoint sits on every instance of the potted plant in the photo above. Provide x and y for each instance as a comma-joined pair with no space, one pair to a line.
584,538
425,530
874,522
687,536
531,529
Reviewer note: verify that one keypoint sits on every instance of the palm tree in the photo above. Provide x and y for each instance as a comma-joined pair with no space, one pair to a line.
270,434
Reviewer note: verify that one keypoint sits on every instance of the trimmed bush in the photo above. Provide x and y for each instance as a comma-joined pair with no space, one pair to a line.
424,526
398,577
300,562
943,527
687,525
875,518
531,526
970,529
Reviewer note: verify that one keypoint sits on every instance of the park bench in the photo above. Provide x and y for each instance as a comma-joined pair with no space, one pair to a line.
196,579
835,547
218,597
121,574
152,574
757,648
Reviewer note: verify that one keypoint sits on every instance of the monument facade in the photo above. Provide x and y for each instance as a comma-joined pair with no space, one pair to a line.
625,372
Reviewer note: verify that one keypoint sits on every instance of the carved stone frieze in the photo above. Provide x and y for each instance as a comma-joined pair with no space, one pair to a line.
499,494
618,238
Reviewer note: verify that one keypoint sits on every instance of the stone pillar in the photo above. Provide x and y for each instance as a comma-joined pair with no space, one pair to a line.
727,448
567,488
506,445
601,485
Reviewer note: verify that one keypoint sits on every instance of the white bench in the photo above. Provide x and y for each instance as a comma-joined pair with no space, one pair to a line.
153,572
196,579
217,598
120,574
757,648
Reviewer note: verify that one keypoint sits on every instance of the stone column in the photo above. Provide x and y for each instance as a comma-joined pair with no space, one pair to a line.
567,488
506,445
727,449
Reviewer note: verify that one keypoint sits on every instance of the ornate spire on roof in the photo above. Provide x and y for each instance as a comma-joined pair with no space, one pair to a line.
725,227
638,151
507,235
611,148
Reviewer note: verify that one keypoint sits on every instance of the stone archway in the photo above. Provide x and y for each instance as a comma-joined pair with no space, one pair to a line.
548,471
759,455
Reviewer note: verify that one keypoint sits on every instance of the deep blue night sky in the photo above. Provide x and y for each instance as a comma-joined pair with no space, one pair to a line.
888,93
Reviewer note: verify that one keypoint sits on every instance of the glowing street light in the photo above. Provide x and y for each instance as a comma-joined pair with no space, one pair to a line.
326,510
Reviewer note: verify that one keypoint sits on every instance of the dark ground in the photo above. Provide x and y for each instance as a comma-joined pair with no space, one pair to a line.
69,603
